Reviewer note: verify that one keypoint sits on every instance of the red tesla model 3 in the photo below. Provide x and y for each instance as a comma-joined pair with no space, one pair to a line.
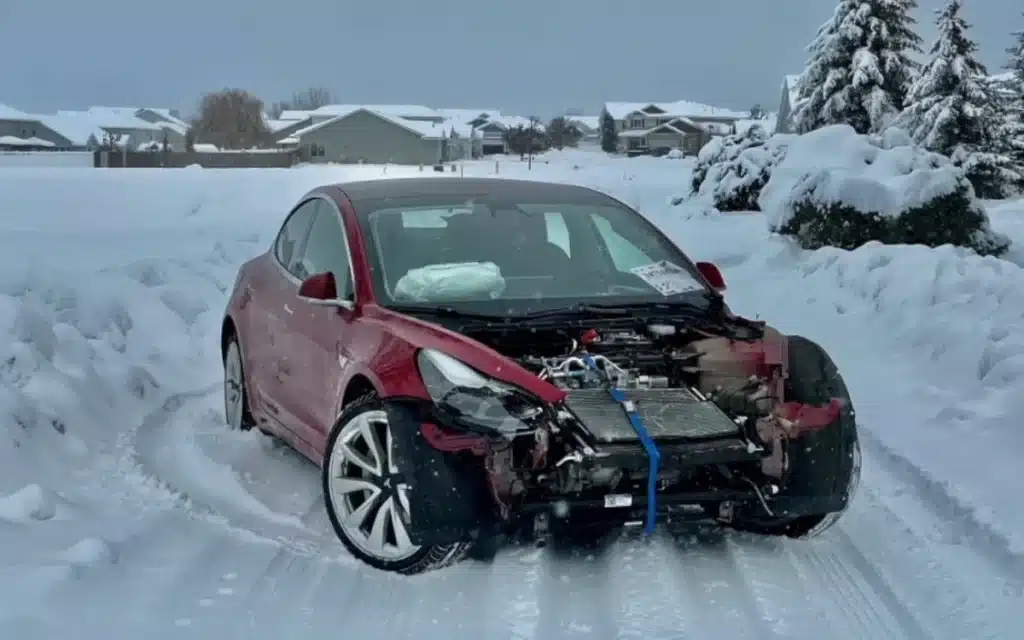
469,358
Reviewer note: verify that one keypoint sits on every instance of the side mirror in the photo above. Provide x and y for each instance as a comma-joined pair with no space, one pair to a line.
322,290
712,274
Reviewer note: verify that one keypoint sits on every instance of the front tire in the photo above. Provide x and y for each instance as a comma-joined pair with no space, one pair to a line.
367,506
824,464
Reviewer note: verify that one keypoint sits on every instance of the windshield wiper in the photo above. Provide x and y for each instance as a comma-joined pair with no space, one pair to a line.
446,311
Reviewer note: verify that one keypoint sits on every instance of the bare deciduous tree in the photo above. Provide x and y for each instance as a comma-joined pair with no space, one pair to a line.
231,119
305,100
564,132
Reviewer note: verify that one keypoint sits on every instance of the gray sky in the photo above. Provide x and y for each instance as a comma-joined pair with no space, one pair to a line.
525,57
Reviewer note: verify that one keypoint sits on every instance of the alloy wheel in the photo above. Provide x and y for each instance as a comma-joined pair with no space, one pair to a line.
370,501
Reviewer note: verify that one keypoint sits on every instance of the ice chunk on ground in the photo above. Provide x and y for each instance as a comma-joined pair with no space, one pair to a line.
27,504
451,281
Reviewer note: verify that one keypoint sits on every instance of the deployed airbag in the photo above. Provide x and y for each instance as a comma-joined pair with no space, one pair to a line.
455,281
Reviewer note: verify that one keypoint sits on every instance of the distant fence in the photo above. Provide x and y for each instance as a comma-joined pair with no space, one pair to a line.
207,160
46,159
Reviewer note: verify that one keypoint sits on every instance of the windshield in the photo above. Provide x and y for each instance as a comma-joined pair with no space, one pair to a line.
521,256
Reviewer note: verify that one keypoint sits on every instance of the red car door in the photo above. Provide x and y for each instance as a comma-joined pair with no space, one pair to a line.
320,330
277,306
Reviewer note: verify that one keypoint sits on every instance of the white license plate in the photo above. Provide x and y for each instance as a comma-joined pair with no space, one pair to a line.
614,500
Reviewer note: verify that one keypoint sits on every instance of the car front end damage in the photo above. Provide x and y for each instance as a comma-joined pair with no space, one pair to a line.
655,423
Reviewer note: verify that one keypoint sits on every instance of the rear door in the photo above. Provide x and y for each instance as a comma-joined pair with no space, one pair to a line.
280,363
322,332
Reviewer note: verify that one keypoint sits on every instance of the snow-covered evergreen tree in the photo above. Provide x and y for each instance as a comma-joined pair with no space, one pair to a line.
860,66
952,108
1014,133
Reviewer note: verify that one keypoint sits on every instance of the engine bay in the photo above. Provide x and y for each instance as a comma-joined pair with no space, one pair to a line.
694,390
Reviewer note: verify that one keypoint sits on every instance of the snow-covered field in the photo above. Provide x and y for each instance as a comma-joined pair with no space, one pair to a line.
127,510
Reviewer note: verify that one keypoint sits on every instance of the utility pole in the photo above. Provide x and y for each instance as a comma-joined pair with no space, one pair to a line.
529,142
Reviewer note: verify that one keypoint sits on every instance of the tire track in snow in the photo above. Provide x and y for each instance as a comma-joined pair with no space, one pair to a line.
645,593
707,571
849,598
960,519
575,593
514,595
945,585
154,453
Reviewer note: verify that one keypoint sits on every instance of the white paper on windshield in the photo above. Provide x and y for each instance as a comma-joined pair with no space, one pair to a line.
667,278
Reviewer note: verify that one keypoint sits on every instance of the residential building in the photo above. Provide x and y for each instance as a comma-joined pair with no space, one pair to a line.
685,125
370,135
129,127
22,130
493,132
590,127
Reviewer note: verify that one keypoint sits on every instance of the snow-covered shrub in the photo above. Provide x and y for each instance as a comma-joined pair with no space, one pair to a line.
838,188
731,170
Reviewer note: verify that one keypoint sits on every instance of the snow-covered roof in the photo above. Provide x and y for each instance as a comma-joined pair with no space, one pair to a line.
76,130
167,115
640,133
291,114
13,141
10,113
279,124
685,108
112,117
428,130
393,110
468,115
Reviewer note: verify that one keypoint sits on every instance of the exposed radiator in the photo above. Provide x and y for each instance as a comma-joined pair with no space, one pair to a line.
669,414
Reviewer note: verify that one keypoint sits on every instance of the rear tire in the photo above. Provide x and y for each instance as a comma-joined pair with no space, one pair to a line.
824,463
367,509
236,398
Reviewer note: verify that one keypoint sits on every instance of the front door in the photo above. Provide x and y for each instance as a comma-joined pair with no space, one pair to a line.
320,331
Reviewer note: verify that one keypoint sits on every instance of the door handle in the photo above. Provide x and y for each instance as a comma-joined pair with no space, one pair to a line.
288,309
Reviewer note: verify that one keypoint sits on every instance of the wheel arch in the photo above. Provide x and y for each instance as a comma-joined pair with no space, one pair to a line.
359,385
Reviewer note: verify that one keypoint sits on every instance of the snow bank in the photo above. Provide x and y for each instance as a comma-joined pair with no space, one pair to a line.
836,165
439,282
836,187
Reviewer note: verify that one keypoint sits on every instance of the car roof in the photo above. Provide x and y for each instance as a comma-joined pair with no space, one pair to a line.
468,187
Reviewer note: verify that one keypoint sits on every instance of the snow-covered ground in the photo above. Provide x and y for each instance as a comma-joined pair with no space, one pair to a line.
126,508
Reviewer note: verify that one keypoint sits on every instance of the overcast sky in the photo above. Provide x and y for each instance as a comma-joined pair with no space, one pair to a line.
526,57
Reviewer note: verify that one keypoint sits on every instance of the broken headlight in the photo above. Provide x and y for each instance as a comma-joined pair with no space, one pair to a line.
473,400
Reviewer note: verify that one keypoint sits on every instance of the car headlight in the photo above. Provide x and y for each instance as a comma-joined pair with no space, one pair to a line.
473,399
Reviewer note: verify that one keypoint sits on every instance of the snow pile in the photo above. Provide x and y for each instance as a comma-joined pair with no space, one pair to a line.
455,281
838,188
732,170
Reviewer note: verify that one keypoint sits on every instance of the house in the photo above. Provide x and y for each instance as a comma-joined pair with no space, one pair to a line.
685,125
492,132
787,104
369,134
22,130
125,124
590,127
466,123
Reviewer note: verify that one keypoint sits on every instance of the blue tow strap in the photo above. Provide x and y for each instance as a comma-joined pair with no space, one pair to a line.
653,455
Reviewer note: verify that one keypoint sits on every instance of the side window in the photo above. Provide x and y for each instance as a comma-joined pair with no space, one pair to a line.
293,234
327,250
624,253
